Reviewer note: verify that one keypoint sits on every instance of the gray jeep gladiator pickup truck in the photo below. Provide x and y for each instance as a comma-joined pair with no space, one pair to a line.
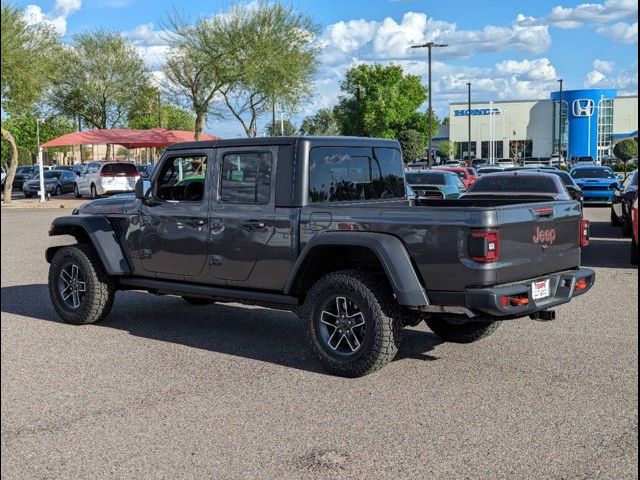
321,226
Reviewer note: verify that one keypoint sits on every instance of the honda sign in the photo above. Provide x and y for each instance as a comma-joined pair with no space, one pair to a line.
583,107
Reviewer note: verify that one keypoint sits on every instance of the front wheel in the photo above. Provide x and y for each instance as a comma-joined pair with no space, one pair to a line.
353,323
461,331
80,289
58,191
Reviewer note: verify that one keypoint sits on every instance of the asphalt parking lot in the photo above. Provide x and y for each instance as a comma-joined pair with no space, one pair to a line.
162,389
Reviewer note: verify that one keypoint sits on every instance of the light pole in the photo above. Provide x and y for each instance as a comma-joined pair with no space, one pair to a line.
560,81
469,117
429,46
43,198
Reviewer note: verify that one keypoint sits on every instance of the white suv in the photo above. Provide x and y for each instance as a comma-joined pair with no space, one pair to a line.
101,178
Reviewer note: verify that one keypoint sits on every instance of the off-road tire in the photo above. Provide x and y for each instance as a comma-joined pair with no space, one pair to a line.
76,191
468,332
198,300
615,221
382,316
100,288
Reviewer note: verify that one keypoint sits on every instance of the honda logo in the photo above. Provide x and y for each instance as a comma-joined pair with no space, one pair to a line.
583,107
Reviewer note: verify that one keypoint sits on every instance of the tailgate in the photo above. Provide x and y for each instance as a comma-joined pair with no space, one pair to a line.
537,239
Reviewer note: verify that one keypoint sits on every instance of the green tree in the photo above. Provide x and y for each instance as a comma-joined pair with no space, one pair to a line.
103,79
625,150
148,113
323,123
272,52
276,130
28,62
412,144
446,148
381,101
23,127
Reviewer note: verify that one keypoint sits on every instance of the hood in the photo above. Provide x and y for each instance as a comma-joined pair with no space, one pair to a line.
114,204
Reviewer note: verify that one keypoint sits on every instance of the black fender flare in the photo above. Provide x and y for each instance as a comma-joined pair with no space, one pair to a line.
391,253
99,231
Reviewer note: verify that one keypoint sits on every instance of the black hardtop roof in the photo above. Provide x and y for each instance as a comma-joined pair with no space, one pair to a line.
273,141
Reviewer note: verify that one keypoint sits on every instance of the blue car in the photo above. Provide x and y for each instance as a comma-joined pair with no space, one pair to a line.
598,184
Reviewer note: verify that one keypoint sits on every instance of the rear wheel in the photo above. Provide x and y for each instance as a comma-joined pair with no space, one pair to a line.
80,289
353,323
198,300
462,330
94,191
76,191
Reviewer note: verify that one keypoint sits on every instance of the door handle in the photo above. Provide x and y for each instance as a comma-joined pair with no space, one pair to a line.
196,222
253,225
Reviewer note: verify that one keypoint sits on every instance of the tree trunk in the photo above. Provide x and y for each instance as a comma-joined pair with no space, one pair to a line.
201,121
13,164
108,153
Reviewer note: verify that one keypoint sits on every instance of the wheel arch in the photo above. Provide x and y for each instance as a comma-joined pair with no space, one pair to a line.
332,251
96,231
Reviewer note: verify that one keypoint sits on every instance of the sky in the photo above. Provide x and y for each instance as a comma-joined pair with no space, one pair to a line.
507,50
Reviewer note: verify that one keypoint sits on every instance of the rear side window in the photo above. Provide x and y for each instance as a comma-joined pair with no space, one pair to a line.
513,183
339,174
246,178
120,169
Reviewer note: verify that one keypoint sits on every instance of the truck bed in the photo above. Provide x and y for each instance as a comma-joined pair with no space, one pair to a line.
436,234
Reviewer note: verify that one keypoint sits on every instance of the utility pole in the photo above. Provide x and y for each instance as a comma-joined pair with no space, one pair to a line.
560,81
159,111
429,46
469,118
43,197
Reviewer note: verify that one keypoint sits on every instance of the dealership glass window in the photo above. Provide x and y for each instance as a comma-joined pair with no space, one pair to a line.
520,148
557,130
497,152
462,150
349,173
605,127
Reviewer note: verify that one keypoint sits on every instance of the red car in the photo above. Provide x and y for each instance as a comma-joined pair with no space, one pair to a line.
634,238
467,174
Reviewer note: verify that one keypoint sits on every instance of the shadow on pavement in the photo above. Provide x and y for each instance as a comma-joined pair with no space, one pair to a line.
267,335
608,247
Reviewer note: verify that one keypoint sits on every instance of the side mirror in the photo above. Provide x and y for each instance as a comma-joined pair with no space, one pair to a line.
143,189
77,174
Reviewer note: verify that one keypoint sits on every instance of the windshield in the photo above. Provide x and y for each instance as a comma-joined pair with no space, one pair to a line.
24,170
515,183
565,177
430,178
592,173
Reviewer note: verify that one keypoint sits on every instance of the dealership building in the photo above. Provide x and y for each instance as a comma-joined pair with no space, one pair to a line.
593,120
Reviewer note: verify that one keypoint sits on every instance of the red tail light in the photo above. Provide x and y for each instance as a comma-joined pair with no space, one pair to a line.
484,246
106,174
582,284
584,233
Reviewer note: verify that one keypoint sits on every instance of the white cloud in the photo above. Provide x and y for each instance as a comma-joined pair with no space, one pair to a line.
392,40
575,17
538,69
621,32
56,19
604,65
625,81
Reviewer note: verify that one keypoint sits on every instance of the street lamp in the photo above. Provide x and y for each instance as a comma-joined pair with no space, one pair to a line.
40,120
469,115
560,81
429,46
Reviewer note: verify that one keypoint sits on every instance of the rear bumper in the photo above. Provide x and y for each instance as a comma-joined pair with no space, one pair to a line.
562,287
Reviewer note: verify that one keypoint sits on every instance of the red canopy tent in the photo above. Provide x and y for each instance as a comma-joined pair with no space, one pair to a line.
157,137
